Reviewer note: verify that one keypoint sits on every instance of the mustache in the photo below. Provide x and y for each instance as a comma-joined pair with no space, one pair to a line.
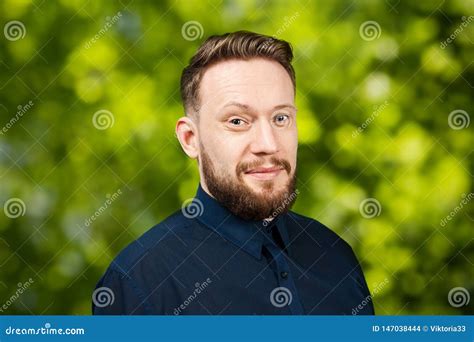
245,166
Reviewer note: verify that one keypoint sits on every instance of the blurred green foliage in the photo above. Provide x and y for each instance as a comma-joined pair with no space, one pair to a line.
373,122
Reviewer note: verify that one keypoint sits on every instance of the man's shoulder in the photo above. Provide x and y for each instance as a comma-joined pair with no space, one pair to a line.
319,232
157,239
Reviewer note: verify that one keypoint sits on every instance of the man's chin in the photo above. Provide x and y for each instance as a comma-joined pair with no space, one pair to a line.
265,187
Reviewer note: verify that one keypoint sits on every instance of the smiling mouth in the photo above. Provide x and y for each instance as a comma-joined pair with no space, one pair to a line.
264,173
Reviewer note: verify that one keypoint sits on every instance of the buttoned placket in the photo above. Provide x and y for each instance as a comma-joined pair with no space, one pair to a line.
285,278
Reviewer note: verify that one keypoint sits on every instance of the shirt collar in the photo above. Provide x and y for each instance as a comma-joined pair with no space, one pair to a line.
247,235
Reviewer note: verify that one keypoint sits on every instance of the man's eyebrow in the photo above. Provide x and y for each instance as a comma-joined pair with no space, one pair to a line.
237,104
285,105
250,109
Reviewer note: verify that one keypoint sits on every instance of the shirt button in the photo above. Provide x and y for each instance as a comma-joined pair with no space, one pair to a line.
284,274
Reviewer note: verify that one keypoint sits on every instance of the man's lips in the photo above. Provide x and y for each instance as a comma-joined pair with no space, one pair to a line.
265,170
264,173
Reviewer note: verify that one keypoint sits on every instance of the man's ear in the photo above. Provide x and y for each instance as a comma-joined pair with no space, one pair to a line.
187,134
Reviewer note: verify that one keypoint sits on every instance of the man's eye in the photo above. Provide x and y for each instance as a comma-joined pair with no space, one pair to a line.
281,119
236,122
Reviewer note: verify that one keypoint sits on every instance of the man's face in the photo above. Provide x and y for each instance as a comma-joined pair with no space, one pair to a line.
248,136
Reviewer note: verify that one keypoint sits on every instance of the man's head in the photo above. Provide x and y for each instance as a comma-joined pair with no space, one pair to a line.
238,94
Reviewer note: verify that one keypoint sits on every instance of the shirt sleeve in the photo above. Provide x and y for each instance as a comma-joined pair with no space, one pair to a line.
117,294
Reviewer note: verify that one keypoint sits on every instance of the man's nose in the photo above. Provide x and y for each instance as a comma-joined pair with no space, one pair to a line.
265,140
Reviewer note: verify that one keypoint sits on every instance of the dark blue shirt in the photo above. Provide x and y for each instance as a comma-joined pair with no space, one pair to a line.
204,260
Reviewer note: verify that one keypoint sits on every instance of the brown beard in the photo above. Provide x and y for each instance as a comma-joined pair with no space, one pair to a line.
240,199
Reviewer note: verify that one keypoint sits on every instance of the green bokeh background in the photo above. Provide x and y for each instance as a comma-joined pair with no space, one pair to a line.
402,82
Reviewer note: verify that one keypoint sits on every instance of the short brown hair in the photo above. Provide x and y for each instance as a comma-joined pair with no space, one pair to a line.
236,45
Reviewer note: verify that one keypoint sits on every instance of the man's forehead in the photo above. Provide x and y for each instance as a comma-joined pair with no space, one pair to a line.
238,69
253,83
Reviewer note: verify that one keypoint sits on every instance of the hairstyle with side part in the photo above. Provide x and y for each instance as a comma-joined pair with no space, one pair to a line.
236,45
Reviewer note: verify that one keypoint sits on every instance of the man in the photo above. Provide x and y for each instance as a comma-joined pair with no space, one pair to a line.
236,248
